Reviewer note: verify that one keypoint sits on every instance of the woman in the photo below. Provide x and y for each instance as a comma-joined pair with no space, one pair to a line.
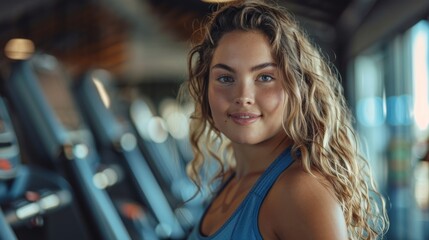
271,111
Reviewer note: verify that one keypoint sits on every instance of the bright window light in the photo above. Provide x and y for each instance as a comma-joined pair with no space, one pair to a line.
420,74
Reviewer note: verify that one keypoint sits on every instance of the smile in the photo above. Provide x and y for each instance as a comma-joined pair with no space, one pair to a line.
244,119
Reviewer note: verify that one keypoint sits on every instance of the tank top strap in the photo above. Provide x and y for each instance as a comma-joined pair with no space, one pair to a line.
272,173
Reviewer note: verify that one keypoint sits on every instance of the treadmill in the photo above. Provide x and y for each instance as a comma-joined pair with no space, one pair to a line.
31,199
38,91
115,137
166,154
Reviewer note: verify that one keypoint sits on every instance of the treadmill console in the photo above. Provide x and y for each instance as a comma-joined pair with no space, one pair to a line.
9,150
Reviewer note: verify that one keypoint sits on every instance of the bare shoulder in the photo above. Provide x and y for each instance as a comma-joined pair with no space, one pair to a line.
302,206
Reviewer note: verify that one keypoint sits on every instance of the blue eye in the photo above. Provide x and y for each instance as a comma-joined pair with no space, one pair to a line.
225,79
265,78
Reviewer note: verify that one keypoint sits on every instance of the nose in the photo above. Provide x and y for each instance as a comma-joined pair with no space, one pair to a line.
245,92
244,101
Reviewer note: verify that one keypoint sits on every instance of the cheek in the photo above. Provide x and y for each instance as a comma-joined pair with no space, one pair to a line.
272,100
217,100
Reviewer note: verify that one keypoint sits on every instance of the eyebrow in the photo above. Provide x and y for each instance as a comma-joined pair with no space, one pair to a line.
254,68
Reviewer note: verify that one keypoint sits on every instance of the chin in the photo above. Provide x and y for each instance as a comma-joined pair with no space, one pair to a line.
243,140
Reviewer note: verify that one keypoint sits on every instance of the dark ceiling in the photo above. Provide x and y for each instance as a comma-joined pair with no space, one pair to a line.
321,10
179,15
88,33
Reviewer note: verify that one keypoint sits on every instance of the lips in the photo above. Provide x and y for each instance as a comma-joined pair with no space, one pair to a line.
244,118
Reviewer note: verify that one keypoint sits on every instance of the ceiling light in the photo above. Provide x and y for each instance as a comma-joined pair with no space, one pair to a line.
19,49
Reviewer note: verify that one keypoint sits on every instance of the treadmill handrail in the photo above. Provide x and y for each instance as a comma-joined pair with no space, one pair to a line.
6,231
103,210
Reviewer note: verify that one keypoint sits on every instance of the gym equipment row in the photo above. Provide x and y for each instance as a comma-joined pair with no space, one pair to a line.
95,175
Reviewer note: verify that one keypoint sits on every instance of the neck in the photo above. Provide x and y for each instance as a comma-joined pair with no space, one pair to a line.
254,159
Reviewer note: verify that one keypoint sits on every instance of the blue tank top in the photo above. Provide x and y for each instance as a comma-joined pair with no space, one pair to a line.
243,224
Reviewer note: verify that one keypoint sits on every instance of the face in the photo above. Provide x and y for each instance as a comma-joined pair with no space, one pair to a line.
245,91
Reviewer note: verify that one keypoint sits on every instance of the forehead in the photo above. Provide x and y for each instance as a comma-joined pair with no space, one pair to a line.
251,47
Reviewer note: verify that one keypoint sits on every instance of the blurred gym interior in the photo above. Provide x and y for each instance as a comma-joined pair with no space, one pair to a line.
94,144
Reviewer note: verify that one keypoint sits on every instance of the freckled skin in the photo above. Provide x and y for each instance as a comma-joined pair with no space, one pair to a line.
247,91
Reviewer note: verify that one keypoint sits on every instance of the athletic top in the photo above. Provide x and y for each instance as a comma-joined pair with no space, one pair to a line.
243,224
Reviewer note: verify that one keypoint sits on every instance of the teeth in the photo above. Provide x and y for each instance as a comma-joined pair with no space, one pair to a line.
245,117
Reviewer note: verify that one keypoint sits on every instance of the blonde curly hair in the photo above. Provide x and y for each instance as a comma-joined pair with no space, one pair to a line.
318,120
